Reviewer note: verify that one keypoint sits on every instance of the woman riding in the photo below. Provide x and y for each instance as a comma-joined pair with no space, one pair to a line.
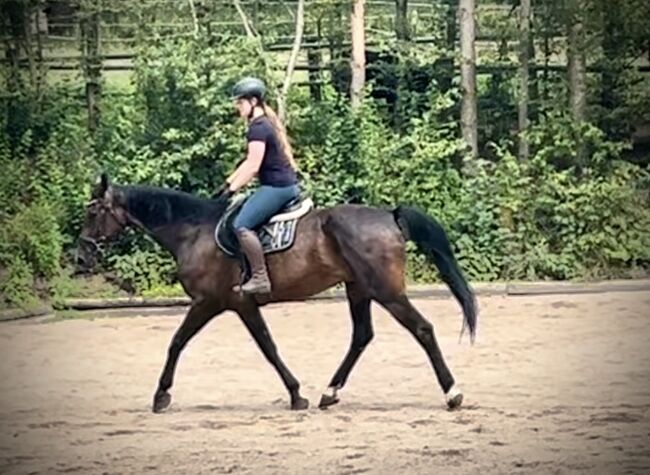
270,158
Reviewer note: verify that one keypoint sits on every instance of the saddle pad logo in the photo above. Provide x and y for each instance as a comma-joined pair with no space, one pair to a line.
274,237
277,236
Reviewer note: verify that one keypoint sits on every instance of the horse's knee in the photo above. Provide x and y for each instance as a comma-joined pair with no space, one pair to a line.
361,339
368,335
424,330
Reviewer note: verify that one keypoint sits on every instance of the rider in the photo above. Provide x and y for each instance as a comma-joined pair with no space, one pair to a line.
270,158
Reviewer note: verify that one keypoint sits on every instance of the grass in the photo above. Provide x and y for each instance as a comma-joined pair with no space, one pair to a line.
93,286
63,315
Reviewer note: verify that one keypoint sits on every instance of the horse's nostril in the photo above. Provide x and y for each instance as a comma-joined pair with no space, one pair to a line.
83,259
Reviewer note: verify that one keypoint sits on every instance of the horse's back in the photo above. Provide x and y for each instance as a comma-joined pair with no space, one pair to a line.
363,223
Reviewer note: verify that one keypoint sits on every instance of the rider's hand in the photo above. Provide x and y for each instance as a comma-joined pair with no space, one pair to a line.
223,192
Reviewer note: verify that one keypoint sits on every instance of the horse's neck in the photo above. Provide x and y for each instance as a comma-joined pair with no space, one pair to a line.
167,234
171,232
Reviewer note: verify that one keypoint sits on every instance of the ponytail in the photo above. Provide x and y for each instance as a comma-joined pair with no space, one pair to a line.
281,134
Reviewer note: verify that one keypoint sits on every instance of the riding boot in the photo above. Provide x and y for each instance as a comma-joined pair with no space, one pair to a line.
259,282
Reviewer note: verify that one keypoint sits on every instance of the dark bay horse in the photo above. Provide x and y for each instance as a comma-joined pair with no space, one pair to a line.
360,246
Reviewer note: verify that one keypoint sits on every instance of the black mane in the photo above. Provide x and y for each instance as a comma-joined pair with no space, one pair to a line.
155,207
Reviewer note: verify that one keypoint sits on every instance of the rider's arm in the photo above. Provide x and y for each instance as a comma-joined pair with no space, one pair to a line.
233,175
247,170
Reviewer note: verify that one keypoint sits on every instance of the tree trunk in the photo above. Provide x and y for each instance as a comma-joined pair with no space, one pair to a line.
468,112
27,45
524,37
533,80
13,17
339,65
282,97
39,56
91,59
445,66
614,121
358,53
314,62
401,21
547,60
611,40
576,66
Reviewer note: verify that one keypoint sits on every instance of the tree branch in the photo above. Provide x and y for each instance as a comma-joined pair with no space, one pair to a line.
293,17
194,19
250,32
358,60
300,24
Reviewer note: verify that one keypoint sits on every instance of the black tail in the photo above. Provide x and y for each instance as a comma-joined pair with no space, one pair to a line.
430,238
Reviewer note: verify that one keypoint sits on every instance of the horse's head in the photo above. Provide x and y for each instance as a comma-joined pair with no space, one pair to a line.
106,216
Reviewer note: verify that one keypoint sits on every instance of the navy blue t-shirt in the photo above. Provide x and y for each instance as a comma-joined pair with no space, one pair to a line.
275,169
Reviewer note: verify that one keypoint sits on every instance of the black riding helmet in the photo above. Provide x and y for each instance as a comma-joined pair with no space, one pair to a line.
248,88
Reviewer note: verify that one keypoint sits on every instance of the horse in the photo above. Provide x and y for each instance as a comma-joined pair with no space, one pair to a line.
359,246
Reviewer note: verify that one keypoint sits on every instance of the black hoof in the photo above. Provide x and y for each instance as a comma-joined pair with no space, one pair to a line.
455,402
326,401
161,401
299,404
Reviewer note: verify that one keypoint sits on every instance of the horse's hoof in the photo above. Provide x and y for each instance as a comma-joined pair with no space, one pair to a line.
327,400
161,401
299,404
454,398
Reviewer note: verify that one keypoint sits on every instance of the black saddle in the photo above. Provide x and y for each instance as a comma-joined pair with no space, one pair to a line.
277,234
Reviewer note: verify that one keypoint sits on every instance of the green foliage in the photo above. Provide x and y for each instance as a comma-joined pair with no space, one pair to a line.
17,283
187,135
30,247
535,221
44,155
327,141
576,209
34,235
164,290
143,269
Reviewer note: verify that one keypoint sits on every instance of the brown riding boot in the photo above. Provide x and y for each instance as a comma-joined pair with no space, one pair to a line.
259,282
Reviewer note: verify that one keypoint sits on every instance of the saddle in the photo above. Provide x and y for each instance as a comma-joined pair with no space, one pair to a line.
277,234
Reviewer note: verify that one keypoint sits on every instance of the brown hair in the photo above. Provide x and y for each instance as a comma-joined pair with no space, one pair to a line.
281,134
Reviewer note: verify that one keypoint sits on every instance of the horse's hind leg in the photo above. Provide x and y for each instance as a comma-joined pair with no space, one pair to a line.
361,335
255,324
402,309
199,314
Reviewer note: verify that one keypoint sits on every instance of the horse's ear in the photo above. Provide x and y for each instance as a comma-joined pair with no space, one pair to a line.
104,184
102,189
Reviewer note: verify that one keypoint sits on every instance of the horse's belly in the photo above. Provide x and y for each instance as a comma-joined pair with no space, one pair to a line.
311,266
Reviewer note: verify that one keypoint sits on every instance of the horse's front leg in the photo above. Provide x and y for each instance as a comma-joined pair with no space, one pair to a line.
200,313
252,318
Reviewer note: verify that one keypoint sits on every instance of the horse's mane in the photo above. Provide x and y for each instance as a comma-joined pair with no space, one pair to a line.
155,207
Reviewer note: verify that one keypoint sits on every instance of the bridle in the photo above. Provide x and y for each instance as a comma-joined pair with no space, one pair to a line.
121,220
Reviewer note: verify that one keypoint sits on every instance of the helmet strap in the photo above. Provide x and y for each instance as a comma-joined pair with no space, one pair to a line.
260,103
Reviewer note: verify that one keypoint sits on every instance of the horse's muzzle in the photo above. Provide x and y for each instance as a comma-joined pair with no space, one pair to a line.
86,254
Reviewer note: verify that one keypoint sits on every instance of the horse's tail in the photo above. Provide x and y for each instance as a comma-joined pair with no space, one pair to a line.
430,238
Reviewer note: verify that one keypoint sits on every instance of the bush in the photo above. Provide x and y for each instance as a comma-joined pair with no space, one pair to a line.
143,268
17,283
30,248
574,210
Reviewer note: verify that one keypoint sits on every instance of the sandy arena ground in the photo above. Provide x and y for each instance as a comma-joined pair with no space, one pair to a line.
554,384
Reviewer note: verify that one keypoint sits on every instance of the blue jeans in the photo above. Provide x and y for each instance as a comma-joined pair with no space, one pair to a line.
263,204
